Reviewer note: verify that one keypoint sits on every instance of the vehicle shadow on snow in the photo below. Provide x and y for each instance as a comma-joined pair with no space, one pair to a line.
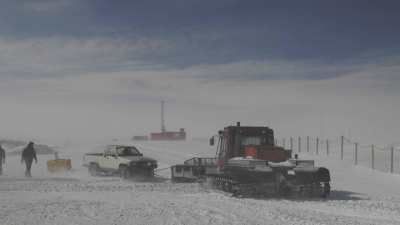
345,195
155,179
335,195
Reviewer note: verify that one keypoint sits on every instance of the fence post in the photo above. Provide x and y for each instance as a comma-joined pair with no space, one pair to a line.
299,144
355,153
341,148
316,149
308,143
372,157
291,143
284,143
327,147
391,159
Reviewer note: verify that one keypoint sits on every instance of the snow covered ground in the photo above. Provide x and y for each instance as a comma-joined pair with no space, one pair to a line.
360,195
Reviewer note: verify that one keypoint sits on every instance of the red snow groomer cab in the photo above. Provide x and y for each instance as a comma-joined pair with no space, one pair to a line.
249,142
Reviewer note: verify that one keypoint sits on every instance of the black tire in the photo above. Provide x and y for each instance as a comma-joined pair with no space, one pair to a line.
327,190
93,169
124,172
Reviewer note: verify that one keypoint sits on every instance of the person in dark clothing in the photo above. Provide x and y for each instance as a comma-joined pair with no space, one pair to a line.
28,155
2,159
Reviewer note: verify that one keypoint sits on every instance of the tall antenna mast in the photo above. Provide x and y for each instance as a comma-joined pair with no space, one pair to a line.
162,117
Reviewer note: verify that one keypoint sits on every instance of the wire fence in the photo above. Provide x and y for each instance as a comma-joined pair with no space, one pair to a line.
386,159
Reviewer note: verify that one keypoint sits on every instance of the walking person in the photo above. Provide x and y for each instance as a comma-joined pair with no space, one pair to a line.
2,159
28,155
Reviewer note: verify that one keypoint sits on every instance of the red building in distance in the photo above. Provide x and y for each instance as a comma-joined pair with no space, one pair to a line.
165,135
169,135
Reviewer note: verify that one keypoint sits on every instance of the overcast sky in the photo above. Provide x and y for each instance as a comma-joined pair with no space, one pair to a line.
74,69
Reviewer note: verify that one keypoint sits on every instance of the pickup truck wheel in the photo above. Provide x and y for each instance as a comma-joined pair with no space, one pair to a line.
124,172
93,169
327,190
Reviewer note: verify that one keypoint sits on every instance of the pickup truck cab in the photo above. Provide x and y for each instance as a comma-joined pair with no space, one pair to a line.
124,160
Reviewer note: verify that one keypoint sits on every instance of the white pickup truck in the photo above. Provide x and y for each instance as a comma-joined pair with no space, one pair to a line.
124,160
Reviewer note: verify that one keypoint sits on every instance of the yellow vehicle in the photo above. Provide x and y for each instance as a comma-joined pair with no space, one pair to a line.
57,165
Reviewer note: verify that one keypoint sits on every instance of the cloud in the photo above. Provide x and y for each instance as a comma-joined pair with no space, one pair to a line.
209,32
49,5
61,56
58,56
